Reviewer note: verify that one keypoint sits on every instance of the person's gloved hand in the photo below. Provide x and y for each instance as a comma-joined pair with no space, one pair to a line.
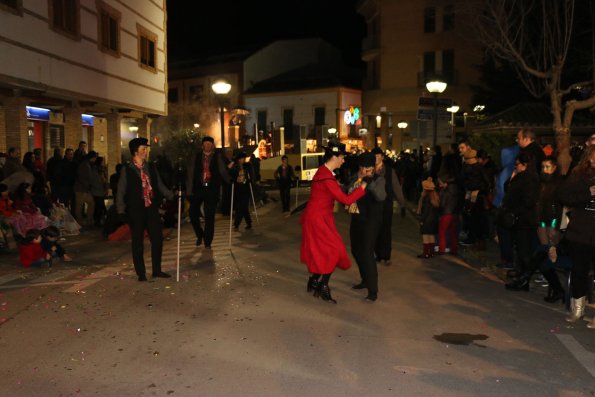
403,212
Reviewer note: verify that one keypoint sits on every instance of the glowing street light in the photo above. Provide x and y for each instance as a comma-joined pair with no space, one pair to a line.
221,88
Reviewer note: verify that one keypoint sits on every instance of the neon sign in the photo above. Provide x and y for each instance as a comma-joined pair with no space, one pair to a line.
351,116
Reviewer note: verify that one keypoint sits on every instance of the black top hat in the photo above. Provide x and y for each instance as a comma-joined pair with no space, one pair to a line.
208,139
335,149
135,143
367,159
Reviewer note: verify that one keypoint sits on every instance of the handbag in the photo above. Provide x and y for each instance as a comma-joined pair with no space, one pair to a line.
506,218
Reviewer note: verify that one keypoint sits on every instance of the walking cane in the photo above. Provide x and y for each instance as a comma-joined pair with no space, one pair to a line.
233,185
179,218
253,201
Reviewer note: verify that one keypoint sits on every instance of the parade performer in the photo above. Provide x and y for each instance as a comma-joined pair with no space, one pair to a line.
322,248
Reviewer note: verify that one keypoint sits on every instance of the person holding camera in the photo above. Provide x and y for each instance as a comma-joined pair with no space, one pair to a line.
140,192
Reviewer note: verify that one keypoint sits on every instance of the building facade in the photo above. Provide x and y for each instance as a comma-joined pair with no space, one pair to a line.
408,43
93,70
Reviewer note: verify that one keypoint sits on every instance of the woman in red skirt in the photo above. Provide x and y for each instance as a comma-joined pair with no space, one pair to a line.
322,248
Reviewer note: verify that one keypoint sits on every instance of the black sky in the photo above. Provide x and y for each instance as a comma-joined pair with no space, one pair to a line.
199,28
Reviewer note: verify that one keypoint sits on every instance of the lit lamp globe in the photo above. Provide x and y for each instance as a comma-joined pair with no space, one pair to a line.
402,124
221,87
436,86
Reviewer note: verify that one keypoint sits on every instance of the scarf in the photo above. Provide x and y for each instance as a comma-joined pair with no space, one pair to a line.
146,181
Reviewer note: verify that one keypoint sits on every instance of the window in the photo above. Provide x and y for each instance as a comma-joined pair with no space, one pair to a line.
429,64
288,124
195,93
448,19
172,95
64,17
56,136
448,66
108,25
319,116
429,20
147,49
14,6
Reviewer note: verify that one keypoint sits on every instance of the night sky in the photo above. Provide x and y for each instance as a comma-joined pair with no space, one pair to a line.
200,28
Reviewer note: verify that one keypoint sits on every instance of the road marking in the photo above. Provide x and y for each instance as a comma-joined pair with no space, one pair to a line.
93,278
583,356
30,285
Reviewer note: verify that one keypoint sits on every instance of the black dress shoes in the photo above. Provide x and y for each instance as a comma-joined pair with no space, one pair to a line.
372,297
198,241
142,277
361,285
161,274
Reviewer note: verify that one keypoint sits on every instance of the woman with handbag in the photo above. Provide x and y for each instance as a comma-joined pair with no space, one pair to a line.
519,205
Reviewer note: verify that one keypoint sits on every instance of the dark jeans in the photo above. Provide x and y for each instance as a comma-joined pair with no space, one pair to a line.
140,220
383,246
284,193
525,243
242,205
583,260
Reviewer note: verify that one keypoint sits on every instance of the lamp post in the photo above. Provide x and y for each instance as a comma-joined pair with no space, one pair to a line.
402,125
435,87
453,109
221,88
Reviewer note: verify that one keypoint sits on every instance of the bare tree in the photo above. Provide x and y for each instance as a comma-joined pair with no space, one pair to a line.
535,36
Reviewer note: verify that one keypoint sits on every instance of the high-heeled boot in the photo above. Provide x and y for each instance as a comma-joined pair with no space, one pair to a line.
312,283
520,283
324,292
555,290
577,309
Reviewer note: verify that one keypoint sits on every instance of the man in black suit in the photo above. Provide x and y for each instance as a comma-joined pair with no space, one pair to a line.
140,191
206,172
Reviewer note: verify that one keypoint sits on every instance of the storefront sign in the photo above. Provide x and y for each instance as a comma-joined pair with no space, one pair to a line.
87,119
351,116
34,113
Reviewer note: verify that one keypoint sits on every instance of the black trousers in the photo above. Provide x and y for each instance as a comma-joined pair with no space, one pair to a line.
384,241
583,260
209,197
285,194
242,204
525,244
363,234
140,220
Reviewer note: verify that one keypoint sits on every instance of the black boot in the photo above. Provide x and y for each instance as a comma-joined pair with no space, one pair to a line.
312,283
324,292
555,290
520,283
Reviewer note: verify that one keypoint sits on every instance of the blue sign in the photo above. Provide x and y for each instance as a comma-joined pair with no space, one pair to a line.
34,113
87,119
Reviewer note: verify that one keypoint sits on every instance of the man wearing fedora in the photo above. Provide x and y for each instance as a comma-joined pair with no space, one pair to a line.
366,217
206,172
140,192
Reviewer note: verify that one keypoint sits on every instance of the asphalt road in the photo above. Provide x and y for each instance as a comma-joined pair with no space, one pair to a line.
240,323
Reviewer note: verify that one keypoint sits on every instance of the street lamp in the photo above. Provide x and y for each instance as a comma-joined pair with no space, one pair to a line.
221,88
402,125
435,87
453,109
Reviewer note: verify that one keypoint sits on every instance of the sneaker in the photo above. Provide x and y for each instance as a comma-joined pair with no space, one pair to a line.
466,242
540,279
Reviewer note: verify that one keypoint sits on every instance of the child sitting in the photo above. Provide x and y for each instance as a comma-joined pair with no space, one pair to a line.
49,243
30,251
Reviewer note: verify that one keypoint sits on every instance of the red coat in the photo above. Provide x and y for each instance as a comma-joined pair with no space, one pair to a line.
322,247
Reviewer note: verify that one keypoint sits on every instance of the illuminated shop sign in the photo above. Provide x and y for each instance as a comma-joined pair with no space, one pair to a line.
351,116
34,113
87,119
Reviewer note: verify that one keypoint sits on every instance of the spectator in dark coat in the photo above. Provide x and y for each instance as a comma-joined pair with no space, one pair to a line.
578,193
526,140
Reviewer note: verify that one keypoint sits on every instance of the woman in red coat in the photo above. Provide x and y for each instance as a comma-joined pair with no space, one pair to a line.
322,247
